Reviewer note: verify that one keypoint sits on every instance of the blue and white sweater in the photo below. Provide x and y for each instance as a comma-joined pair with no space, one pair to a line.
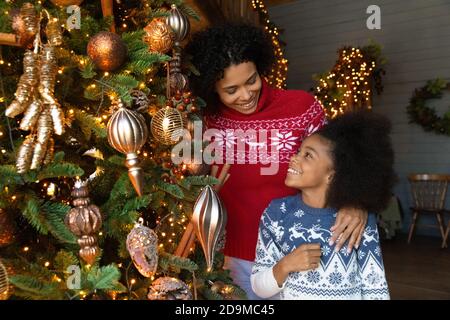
288,223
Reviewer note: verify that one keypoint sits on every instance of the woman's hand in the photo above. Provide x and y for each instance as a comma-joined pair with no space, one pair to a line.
305,257
350,223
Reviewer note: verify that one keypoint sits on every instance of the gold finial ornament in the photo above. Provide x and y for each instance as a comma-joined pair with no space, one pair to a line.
127,133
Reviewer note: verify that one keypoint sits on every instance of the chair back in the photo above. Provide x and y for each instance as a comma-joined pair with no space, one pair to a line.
429,190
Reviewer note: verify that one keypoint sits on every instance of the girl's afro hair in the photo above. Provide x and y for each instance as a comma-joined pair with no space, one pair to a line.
363,161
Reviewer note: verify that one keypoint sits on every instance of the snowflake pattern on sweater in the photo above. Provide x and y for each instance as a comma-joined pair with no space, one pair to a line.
265,141
288,223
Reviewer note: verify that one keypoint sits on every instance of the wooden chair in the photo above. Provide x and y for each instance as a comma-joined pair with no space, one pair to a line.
428,193
444,242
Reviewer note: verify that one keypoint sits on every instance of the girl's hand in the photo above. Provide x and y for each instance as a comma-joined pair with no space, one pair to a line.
305,257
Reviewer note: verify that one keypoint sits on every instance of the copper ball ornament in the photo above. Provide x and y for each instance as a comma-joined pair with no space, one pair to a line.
107,51
159,36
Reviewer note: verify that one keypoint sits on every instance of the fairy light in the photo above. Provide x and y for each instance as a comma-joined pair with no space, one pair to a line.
46,264
351,75
26,249
278,74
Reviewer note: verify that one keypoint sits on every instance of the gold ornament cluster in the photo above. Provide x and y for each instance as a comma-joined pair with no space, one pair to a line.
34,98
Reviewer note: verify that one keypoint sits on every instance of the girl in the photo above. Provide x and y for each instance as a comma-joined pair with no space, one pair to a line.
349,162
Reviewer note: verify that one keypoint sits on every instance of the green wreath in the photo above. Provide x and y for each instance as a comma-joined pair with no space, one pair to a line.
425,116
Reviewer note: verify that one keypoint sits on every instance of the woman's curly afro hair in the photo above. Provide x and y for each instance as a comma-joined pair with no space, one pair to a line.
363,161
216,48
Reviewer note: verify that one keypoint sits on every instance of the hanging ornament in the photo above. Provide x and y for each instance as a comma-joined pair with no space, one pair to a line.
66,3
140,101
142,244
127,133
179,23
24,22
84,220
167,126
107,50
42,114
54,33
167,288
209,219
29,17
178,82
4,283
159,36
7,229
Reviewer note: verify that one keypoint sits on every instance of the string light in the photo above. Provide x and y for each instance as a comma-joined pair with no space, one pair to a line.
278,74
347,87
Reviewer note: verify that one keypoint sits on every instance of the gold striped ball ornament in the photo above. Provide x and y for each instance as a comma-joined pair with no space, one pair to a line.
167,126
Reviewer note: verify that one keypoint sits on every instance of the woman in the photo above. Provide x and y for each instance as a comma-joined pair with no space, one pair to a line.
260,129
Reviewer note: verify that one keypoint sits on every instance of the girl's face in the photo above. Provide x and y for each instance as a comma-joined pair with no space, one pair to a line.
240,87
312,166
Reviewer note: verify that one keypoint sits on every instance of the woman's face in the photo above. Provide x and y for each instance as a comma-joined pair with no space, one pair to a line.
240,87
312,166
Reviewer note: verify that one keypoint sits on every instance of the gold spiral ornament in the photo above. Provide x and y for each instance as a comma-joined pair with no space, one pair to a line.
159,36
127,133
167,126
209,218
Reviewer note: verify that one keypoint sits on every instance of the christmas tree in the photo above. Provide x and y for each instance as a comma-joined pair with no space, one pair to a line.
91,204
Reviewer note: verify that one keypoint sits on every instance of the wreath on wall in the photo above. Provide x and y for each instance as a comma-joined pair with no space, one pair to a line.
420,113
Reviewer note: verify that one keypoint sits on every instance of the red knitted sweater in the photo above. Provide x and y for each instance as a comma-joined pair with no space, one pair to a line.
288,116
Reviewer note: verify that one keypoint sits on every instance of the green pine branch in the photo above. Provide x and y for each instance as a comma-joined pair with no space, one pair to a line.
57,170
171,189
33,287
89,125
87,70
55,213
167,261
136,203
189,11
65,259
105,278
31,210
188,182
9,176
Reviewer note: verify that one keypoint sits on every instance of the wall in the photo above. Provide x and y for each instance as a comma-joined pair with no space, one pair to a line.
415,36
